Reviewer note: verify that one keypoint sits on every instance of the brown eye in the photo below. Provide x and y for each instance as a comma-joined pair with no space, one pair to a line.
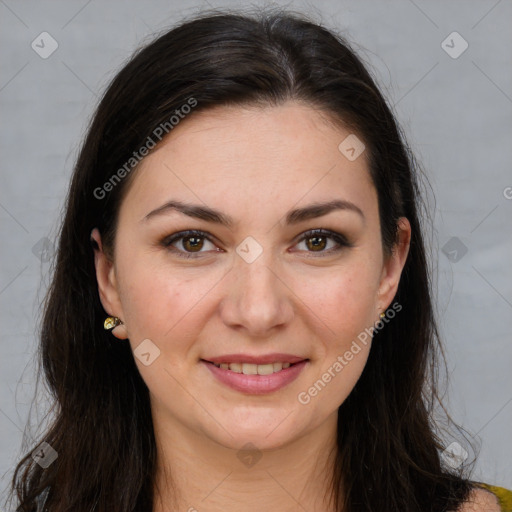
192,243
187,244
316,243
324,241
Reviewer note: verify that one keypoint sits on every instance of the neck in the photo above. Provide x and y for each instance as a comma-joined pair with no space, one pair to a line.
195,473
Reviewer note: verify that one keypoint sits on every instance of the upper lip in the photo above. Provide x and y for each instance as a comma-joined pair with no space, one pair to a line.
263,359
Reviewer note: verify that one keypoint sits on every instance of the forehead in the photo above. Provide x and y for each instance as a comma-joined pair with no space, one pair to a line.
247,156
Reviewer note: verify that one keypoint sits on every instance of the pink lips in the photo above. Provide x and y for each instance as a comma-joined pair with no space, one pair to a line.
256,384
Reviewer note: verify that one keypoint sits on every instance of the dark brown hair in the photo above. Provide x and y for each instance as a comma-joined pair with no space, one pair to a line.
389,446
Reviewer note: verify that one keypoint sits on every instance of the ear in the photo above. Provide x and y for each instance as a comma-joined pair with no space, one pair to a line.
107,284
394,265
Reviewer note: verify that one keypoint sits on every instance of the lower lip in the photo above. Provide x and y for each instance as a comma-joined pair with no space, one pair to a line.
257,384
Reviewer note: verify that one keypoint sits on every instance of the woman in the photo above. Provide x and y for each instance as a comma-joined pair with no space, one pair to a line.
240,315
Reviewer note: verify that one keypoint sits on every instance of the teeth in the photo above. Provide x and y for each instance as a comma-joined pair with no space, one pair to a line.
249,369
265,369
253,369
235,367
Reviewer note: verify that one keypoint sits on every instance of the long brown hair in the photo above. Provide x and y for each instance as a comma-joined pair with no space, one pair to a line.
389,446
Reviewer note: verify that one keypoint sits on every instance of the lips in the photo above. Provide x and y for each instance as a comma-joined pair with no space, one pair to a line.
256,374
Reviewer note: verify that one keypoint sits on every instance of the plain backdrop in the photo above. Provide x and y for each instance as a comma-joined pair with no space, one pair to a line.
455,107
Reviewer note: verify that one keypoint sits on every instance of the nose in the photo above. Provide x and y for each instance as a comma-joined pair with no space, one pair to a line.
258,299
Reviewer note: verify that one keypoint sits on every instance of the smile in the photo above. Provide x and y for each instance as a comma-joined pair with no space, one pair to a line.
253,369
256,379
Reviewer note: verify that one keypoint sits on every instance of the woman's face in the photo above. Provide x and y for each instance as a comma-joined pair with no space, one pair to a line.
257,289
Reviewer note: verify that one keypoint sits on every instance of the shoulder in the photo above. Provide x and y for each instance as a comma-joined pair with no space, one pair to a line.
481,499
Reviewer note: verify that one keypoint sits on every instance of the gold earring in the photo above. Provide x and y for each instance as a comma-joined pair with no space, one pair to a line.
111,322
382,315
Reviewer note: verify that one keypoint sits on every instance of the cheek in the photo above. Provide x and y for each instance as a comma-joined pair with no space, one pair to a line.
148,302
161,302
345,302
343,298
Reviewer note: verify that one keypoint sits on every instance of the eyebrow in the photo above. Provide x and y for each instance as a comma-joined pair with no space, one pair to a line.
292,217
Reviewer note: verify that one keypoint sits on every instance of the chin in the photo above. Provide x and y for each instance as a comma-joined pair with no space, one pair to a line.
267,432
253,440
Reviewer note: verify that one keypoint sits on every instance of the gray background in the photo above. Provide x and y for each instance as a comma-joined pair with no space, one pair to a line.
457,116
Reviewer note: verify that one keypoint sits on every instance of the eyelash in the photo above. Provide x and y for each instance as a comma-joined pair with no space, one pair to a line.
337,237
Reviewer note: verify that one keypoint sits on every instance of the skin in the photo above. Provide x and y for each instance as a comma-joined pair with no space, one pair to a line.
253,164
481,500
